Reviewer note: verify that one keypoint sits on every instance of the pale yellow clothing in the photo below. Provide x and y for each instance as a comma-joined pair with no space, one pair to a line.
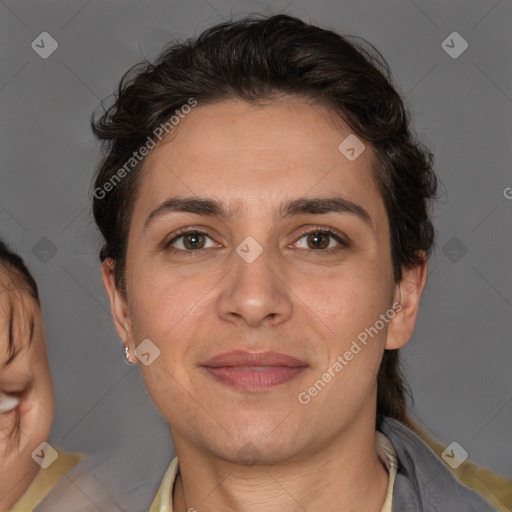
383,446
496,489
45,480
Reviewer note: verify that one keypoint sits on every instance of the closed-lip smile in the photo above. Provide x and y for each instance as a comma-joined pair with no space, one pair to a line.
253,371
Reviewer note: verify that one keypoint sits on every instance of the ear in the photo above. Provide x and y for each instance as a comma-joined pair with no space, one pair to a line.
407,294
118,306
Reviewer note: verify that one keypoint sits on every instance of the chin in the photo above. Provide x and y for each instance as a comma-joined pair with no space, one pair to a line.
254,452
266,442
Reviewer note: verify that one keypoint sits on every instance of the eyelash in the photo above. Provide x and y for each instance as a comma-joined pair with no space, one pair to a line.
317,230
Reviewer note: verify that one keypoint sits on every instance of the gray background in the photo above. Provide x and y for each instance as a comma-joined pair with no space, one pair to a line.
458,362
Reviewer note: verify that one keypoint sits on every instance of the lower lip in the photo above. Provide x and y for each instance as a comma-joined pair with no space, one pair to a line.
250,379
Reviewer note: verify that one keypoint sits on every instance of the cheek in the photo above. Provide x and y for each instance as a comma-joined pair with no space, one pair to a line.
349,300
165,310
161,306
353,310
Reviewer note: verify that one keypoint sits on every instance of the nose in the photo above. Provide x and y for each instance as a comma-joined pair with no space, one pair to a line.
255,291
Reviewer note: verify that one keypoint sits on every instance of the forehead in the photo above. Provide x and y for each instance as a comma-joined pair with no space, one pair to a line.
253,154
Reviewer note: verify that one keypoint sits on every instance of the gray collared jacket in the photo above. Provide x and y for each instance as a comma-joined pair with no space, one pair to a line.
423,483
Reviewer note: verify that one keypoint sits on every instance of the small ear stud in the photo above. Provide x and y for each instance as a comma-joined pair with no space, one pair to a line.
127,354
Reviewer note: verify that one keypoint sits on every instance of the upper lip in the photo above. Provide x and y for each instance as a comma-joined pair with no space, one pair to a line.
244,358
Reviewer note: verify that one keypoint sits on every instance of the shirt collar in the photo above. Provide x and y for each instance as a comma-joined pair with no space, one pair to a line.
383,446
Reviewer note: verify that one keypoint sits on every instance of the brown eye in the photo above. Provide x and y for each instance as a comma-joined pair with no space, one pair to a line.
193,241
189,241
320,239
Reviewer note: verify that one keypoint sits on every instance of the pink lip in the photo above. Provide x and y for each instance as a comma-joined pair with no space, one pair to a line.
251,371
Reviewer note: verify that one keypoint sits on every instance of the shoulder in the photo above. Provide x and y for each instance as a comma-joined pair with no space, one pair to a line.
423,482
56,464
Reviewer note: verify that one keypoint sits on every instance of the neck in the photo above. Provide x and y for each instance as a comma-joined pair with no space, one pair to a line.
343,475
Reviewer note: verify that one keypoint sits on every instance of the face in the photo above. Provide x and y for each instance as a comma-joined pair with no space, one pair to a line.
26,394
277,273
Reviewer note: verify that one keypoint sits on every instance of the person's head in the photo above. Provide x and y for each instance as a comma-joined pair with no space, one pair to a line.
263,115
26,393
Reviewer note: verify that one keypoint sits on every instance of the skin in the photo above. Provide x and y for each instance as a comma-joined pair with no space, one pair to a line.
28,378
292,299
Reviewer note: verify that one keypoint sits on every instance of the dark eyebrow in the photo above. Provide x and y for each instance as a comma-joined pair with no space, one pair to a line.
302,205
197,205
318,206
